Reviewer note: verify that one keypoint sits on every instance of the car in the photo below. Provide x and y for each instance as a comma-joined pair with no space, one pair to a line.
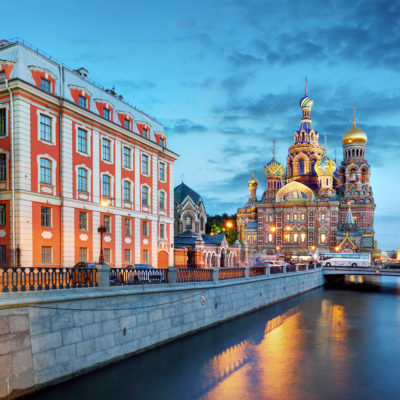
391,265
143,273
82,273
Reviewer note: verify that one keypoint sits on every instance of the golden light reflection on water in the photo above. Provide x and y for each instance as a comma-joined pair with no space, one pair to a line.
232,373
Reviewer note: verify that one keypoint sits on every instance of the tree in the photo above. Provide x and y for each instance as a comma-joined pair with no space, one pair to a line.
223,224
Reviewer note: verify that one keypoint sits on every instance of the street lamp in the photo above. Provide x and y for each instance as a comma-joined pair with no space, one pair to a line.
229,224
101,230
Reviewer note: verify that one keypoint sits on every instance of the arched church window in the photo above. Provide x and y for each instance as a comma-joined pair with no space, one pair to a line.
301,167
201,223
188,222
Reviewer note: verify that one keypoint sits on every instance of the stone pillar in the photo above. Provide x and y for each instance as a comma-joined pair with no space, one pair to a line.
247,272
172,274
103,276
215,274
268,271
284,269
306,267
297,267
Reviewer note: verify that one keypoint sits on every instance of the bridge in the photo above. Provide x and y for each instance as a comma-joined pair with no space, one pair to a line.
339,270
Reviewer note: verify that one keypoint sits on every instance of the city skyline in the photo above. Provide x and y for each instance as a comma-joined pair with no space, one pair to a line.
213,94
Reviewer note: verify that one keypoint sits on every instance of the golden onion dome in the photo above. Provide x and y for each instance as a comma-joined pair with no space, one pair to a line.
274,169
253,182
354,135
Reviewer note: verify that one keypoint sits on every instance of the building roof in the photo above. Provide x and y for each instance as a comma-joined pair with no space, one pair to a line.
252,225
214,240
182,191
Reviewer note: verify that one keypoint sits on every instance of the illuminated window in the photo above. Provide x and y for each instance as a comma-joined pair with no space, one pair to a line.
303,216
323,238
287,237
254,237
295,237
127,254
323,216
303,237
45,128
45,84
107,223
270,237
294,217
248,238
287,217
127,226
83,254
83,221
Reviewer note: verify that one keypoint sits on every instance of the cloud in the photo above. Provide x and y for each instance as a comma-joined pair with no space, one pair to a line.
184,126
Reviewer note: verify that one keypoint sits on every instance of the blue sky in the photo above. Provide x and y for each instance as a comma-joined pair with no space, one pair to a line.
225,78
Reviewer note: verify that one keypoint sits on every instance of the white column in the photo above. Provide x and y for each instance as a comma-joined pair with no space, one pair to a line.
96,168
171,214
155,185
137,240
137,199
96,235
154,243
67,165
22,143
118,173
23,226
118,241
68,233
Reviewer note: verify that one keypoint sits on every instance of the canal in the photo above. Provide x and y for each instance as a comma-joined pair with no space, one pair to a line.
335,343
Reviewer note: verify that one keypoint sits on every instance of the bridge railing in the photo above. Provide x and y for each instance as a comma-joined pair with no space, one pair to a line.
194,275
230,273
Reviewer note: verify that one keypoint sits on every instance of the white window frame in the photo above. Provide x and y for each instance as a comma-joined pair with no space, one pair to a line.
111,196
111,149
89,140
165,171
130,168
53,171
53,118
131,190
165,230
148,164
165,200
2,151
6,107
149,196
89,177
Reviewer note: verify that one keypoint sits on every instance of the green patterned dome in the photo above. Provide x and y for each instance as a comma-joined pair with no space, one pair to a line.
274,169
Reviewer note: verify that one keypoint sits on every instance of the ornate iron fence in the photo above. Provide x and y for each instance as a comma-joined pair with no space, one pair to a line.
194,275
291,268
231,273
275,270
257,271
18,279
137,276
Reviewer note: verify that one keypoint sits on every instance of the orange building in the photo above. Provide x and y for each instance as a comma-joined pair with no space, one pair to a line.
74,157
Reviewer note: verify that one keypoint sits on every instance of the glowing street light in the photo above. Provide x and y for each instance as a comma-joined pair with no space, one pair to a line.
105,202
273,229
229,224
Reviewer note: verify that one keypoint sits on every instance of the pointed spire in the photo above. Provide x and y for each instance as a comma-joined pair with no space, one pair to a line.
182,177
273,149
325,146
335,156
354,114
306,86
349,217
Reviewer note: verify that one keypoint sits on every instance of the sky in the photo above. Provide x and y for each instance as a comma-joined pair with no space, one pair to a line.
225,78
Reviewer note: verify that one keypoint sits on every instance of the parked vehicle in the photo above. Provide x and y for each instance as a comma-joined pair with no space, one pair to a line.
84,273
345,262
144,273
391,265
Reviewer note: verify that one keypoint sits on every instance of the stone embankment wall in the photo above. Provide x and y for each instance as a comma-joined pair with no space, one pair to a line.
49,336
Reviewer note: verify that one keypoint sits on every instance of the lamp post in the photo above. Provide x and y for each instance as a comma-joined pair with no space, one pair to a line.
101,230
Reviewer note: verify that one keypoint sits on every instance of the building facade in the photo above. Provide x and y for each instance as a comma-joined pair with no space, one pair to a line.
74,157
311,205
193,247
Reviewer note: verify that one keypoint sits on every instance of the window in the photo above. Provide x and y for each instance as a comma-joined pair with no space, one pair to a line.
82,180
270,218
82,101
3,254
106,189
127,226
162,142
83,221
145,228
303,216
2,74
82,141
46,254
323,238
295,237
127,124
107,255
45,128
3,167
146,133
287,217
127,255
83,254
270,237
294,217
46,217
107,223
161,172
201,223
303,237
3,219
162,201
323,217
287,237
145,256
45,84
45,171
145,196
3,122
106,113
162,231
127,191
106,150
127,159
188,220
145,164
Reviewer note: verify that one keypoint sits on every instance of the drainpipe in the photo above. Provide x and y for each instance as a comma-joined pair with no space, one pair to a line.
61,69
12,175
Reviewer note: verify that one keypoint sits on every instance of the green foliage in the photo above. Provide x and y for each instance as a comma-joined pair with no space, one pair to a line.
217,224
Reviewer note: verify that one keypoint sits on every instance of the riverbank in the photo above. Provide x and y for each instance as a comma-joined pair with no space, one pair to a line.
49,337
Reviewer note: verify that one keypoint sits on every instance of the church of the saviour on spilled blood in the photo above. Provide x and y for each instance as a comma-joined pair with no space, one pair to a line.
314,205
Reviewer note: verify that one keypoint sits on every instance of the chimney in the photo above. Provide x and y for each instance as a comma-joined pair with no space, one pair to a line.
82,72
4,43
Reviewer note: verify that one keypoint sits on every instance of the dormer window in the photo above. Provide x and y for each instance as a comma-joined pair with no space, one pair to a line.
106,113
82,101
127,124
146,133
45,85
162,142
